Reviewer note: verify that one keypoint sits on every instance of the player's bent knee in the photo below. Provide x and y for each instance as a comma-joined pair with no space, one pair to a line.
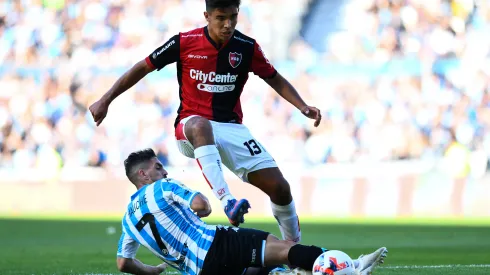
198,124
199,131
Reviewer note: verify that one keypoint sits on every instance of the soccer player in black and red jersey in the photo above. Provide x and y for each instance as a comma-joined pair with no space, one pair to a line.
213,65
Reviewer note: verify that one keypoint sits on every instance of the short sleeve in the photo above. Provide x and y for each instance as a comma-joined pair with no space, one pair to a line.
166,54
127,247
178,192
261,66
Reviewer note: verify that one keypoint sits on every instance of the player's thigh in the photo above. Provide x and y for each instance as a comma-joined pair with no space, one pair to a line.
185,146
252,244
235,249
276,251
241,152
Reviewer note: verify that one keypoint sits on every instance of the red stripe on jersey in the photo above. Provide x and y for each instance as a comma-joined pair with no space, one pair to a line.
238,107
261,66
148,62
193,100
238,111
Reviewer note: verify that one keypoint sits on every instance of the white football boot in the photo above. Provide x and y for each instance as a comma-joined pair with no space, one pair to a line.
367,263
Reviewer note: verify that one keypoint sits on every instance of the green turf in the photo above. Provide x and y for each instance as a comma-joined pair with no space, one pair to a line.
84,247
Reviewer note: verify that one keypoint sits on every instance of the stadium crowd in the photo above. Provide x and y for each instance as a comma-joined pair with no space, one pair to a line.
406,79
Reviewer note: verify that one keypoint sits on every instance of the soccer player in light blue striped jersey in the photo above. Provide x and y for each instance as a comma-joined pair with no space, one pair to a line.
165,217
160,218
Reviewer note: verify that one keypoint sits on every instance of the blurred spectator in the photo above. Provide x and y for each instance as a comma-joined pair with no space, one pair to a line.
406,79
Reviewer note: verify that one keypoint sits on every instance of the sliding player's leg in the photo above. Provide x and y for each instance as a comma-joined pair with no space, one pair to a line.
235,249
285,252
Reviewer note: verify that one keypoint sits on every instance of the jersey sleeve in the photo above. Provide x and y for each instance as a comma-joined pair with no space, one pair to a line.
166,54
127,247
178,192
261,66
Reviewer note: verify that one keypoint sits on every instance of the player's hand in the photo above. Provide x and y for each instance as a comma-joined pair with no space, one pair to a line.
99,111
313,113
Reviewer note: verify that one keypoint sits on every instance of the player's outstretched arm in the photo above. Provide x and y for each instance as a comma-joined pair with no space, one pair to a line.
127,80
134,266
289,93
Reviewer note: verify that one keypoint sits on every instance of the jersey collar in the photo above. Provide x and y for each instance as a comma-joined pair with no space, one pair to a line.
208,37
137,192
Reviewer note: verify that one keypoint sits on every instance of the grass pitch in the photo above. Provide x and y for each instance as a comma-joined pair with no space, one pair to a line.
53,246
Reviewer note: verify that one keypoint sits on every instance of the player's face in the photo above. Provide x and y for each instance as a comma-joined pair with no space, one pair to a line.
222,22
156,171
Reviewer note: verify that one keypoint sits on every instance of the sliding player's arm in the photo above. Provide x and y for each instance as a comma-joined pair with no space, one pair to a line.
135,266
126,261
201,206
265,70
187,197
166,54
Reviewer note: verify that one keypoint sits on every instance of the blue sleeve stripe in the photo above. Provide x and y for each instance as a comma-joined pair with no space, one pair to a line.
119,246
192,197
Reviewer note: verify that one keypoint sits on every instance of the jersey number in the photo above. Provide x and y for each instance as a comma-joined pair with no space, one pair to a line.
148,218
252,147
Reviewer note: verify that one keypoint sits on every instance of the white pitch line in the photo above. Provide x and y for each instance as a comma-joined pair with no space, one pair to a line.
434,266
381,267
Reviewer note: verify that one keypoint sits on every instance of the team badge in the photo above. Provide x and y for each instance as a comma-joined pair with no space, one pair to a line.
235,59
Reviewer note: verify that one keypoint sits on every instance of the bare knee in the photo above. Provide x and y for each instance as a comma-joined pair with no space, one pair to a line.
285,251
199,131
277,251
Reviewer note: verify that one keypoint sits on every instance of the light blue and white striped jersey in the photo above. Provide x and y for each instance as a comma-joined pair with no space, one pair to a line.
159,217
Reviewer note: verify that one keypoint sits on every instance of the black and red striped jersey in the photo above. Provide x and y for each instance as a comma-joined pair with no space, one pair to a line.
211,79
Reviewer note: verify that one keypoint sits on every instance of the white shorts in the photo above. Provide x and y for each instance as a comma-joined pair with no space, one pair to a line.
239,150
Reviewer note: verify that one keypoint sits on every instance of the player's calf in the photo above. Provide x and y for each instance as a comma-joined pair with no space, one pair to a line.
272,182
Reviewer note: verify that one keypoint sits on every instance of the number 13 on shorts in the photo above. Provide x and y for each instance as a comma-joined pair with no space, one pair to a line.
252,147
240,151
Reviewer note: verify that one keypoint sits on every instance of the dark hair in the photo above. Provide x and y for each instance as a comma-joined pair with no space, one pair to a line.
135,160
215,4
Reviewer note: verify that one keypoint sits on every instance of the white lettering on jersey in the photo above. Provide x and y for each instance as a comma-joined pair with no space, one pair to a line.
243,40
215,88
197,56
164,48
212,77
191,35
263,54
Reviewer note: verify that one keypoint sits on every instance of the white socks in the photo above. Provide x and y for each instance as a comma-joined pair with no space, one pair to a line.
209,160
288,221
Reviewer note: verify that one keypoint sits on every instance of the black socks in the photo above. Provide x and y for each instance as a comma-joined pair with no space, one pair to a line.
304,256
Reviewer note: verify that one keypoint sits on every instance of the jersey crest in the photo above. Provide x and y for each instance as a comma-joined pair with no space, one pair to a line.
235,59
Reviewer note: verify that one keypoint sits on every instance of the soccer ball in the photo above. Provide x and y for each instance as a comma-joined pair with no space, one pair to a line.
334,262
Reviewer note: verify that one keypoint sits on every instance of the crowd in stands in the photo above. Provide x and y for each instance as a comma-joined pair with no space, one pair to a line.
406,79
